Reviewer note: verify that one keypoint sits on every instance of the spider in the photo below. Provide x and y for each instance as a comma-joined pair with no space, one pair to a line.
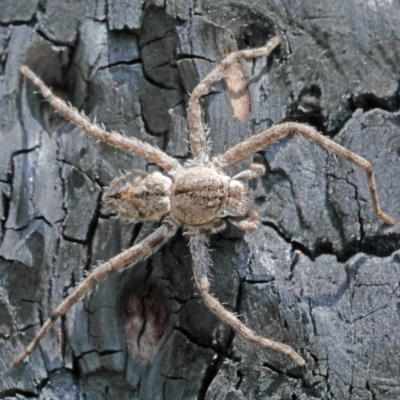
201,197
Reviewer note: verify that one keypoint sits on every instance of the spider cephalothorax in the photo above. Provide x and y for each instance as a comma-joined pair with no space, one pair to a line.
201,198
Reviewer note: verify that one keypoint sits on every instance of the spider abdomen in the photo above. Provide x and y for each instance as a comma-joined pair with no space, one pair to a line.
198,195
139,196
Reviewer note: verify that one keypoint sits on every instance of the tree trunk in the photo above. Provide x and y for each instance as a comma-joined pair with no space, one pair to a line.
321,274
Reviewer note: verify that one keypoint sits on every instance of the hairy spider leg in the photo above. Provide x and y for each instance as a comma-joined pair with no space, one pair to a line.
197,130
259,142
135,254
114,139
201,262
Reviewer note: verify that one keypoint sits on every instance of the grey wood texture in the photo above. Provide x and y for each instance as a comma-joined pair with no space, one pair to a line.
322,274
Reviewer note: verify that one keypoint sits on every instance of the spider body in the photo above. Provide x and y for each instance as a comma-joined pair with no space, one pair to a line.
198,198
201,197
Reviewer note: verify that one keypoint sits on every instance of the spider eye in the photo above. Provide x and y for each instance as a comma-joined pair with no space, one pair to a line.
139,196
115,196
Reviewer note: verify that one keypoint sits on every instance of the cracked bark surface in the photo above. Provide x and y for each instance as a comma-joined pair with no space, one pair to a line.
322,274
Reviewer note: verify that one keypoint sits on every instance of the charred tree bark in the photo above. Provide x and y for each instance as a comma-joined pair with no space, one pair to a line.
322,274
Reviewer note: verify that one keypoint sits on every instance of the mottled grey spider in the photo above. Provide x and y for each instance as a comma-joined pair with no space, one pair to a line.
201,198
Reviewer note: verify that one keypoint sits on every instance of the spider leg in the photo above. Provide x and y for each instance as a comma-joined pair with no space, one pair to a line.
262,140
255,171
201,262
114,139
136,253
198,134
250,224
